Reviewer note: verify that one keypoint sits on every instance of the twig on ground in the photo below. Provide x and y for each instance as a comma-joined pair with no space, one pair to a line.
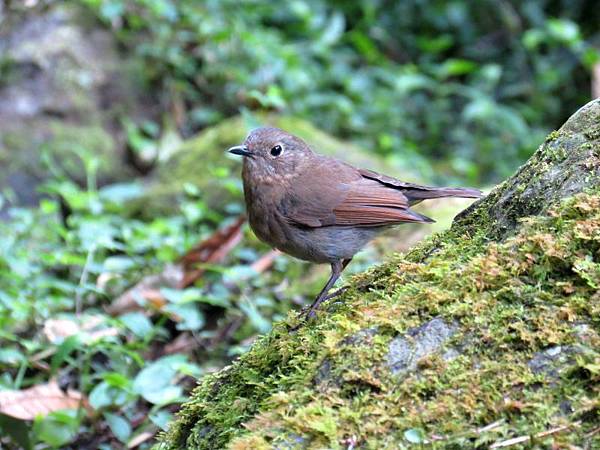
521,439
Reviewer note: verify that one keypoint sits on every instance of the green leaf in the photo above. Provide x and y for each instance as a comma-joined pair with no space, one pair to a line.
117,380
181,295
239,273
57,428
533,38
104,395
161,418
256,318
333,30
155,381
118,264
456,67
188,316
121,192
64,350
437,44
119,426
11,356
17,430
564,30
138,323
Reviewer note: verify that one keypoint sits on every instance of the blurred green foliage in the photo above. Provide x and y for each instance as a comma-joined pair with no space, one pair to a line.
62,270
465,88
454,89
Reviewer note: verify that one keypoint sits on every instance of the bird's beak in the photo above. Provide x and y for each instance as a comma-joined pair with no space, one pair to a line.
240,150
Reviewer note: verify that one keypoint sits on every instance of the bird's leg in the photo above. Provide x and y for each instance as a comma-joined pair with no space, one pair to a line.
336,270
343,289
345,263
337,267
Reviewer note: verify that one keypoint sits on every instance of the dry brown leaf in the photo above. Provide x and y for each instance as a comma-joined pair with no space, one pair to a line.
103,280
211,250
184,343
147,290
265,262
39,400
90,328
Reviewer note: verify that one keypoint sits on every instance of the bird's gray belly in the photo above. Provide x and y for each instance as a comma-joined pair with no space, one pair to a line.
325,244
319,244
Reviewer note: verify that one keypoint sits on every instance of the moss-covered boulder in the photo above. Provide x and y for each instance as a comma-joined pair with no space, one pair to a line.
484,336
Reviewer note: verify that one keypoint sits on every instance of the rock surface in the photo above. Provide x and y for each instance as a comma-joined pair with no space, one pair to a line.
405,352
63,89
567,165
509,285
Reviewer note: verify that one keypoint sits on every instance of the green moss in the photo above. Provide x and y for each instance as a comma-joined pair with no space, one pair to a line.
518,273
61,147
517,298
71,144
553,135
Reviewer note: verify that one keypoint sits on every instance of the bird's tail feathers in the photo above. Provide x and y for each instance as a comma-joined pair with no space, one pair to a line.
416,195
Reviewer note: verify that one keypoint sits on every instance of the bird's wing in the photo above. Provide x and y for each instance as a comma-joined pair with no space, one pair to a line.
334,193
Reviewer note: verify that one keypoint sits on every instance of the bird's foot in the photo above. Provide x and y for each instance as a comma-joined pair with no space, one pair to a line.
310,311
336,293
301,321
304,316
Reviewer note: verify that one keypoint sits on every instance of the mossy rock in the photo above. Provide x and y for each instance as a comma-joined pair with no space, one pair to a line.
203,162
484,333
63,90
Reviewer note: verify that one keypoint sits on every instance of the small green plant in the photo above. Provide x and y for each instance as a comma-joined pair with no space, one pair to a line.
61,267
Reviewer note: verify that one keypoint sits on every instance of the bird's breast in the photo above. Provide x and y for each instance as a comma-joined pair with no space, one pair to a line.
263,214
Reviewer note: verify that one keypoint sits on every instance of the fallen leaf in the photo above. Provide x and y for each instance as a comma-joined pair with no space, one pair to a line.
39,400
147,291
265,262
103,280
184,343
211,250
90,328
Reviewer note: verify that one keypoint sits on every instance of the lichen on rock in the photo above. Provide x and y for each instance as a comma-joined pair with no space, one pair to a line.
405,352
514,280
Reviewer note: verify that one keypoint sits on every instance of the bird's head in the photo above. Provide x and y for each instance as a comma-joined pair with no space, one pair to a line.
271,154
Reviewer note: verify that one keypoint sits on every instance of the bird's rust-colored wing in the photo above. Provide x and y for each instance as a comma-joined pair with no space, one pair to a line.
346,198
369,203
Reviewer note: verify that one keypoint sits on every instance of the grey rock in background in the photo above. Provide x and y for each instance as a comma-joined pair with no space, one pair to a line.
63,89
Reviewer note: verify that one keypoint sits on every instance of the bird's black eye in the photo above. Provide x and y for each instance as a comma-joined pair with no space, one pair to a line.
276,151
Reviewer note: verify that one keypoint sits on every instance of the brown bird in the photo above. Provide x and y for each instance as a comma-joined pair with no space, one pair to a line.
318,208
